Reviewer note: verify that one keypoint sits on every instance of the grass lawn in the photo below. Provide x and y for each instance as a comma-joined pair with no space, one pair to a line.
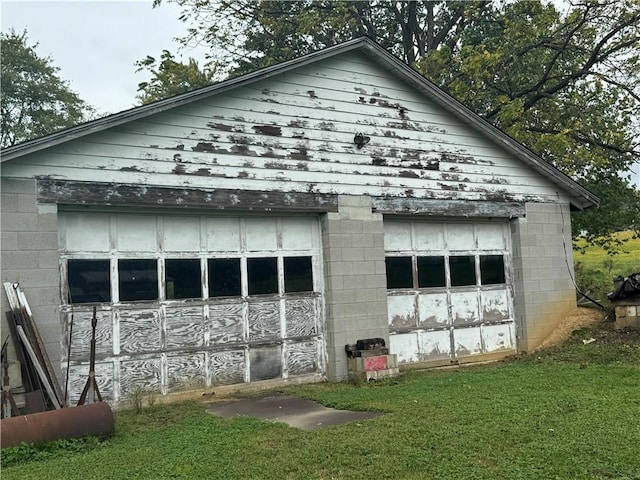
624,263
570,412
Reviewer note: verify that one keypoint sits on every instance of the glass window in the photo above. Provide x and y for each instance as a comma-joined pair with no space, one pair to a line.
263,275
491,269
138,279
463,271
182,278
298,274
399,272
224,277
431,272
89,281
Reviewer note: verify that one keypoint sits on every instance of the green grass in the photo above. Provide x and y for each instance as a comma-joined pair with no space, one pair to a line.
569,412
595,267
625,261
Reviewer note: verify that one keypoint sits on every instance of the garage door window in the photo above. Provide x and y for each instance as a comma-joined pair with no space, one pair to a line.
182,278
399,272
463,271
262,275
138,279
89,281
224,277
492,269
431,272
298,274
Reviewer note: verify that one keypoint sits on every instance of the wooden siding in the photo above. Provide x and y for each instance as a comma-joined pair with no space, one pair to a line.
295,133
89,193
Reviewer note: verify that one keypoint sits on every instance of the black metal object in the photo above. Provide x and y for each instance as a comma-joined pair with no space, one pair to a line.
361,140
367,347
91,381
626,287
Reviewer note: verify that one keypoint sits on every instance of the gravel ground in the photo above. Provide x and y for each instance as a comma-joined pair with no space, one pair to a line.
583,317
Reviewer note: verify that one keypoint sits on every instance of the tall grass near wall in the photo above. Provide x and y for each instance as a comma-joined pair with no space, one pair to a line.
596,268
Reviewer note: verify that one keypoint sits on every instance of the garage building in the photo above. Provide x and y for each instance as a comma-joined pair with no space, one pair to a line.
246,231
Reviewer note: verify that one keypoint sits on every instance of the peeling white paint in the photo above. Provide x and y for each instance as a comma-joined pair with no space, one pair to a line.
450,322
169,345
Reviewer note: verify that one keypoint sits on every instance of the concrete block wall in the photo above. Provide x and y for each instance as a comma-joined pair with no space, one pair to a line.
355,280
29,256
543,271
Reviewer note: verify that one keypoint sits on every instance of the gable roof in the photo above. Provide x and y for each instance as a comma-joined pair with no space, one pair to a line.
580,196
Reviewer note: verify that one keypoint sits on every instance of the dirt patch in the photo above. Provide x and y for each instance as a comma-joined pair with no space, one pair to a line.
583,317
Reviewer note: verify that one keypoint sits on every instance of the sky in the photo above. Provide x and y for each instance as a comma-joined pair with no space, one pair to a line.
96,44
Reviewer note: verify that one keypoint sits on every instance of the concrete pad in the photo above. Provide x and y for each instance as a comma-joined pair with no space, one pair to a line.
296,412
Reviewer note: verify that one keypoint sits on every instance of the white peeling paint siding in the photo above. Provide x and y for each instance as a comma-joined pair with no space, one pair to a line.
295,132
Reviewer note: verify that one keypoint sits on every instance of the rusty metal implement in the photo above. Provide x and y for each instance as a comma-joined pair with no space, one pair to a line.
95,419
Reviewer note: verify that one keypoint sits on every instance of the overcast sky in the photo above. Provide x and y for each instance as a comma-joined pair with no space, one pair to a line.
96,43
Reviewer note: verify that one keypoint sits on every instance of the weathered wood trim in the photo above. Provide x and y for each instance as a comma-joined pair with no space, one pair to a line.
447,208
89,193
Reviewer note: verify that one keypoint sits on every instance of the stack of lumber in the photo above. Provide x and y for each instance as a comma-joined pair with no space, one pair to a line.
42,390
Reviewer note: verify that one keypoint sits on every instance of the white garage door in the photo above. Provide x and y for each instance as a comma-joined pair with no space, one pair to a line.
449,290
190,301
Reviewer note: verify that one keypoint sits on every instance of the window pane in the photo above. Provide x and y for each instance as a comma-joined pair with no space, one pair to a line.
263,275
492,269
182,278
298,274
463,271
138,279
431,272
89,281
224,277
399,272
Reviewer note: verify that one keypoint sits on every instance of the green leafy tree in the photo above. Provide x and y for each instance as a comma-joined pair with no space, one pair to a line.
565,84
170,77
34,101
250,34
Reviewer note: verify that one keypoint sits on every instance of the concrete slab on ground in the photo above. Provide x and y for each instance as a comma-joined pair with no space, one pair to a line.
296,412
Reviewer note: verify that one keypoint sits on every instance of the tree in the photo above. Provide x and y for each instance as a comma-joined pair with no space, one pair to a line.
35,101
170,77
565,84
